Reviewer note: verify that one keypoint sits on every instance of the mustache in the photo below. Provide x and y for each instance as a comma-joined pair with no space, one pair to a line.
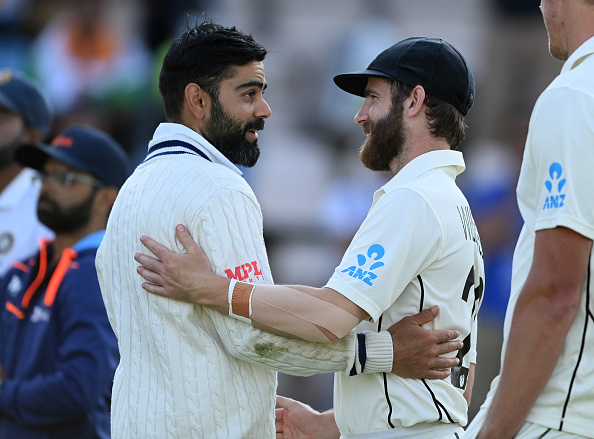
367,126
257,124
48,200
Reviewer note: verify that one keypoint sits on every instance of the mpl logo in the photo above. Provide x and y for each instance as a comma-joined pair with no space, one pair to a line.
374,253
555,186
248,271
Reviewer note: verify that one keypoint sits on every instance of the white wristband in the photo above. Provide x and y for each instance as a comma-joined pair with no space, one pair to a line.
230,295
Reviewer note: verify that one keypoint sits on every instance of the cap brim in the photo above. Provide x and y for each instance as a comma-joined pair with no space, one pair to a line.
31,155
355,83
34,155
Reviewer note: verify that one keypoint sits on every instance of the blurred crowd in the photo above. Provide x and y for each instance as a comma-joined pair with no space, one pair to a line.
99,61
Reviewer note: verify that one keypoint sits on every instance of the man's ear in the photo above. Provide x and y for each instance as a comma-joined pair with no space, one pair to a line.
197,101
416,100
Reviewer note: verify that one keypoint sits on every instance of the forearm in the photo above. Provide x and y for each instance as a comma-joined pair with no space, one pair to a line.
534,344
314,314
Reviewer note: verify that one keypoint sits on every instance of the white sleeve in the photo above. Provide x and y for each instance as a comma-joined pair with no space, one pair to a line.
564,159
399,239
300,357
229,230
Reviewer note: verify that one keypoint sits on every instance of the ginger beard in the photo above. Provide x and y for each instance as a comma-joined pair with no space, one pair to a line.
385,139
227,135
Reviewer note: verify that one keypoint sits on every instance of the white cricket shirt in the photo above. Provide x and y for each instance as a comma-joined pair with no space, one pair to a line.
556,188
186,371
418,247
20,230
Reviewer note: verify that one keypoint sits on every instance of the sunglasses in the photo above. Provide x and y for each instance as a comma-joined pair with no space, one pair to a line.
65,178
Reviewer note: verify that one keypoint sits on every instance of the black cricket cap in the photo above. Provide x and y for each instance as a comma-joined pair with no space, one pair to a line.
433,63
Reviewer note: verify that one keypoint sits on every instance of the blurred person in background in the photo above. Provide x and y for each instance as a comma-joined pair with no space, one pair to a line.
187,370
91,58
25,116
14,41
89,52
58,352
544,388
417,248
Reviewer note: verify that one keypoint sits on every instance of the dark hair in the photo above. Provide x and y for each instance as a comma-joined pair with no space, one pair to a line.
444,119
205,55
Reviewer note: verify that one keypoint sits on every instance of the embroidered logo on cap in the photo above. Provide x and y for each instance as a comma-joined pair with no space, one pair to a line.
64,141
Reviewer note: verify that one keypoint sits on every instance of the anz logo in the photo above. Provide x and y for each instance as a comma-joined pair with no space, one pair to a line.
555,185
366,264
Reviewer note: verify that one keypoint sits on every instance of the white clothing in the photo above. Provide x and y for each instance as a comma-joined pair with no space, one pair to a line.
20,230
421,431
528,430
188,371
555,188
418,247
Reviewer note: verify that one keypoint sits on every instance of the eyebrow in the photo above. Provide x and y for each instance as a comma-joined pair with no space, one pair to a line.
371,90
258,84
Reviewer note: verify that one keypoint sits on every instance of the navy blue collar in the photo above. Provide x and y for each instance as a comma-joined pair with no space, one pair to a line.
171,143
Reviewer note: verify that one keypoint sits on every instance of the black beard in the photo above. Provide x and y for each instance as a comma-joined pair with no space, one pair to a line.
7,151
385,141
228,136
65,221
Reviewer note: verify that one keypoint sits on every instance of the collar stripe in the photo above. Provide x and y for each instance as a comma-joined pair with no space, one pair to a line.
171,143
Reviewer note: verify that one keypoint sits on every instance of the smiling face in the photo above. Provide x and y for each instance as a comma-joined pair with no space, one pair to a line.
381,117
237,112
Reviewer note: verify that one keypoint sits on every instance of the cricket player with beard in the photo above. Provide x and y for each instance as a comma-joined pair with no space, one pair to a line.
188,371
58,353
417,248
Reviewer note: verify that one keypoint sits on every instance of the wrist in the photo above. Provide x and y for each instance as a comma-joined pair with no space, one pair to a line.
213,294
379,352
329,429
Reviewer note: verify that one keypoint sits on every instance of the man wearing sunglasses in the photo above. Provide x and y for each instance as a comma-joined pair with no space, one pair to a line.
58,353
